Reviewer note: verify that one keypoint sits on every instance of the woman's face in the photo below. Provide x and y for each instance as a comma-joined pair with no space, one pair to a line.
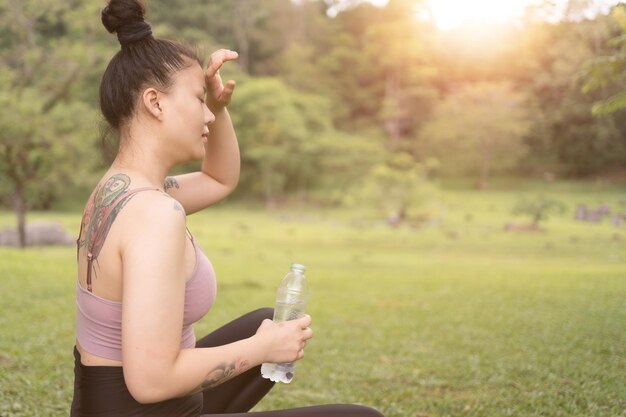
186,116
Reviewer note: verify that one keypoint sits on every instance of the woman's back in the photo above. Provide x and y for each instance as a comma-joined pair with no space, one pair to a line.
109,220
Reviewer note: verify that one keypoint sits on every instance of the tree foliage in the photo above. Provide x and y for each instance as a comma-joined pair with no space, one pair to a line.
328,90
45,121
397,187
565,137
479,130
288,141
538,208
608,72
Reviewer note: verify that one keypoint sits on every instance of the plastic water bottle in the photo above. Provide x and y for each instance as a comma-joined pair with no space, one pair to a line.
290,304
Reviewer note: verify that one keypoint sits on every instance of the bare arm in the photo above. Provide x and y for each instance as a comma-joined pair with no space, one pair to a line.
220,169
221,165
155,367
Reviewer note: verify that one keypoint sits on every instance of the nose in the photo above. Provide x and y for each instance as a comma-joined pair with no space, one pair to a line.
209,117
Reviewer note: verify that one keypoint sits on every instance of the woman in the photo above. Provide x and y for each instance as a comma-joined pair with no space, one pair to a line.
142,279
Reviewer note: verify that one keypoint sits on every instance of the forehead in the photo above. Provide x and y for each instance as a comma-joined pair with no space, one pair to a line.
190,77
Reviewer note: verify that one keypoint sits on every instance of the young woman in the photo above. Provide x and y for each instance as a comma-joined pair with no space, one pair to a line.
142,279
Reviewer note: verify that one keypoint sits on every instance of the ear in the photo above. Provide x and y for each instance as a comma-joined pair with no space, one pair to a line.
151,100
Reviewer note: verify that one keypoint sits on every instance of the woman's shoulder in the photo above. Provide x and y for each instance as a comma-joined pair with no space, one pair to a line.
150,217
117,189
136,205
155,207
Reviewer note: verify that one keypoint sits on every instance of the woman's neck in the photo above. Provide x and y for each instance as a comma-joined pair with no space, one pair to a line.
143,162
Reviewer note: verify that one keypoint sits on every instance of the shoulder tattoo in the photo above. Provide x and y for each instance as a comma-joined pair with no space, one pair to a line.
103,198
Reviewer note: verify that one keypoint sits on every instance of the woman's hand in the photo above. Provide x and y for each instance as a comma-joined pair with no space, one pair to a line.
218,95
284,342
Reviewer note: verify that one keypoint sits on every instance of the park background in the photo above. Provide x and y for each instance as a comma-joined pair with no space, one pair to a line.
457,194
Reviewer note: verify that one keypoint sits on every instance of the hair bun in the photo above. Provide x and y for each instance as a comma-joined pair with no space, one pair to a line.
126,18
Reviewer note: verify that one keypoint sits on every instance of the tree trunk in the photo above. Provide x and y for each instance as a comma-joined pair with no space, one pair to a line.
485,164
241,24
13,162
392,121
270,202
19,207
484,177
301,29
302,195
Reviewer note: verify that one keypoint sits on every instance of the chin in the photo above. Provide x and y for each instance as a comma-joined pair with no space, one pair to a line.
195,157
196,153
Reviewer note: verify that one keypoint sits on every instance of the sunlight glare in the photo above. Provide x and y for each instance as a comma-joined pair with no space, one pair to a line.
449,14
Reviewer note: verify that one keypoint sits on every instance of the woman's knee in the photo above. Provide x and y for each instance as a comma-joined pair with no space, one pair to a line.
260,314
371,412
250,322
354,410
264,313
332,410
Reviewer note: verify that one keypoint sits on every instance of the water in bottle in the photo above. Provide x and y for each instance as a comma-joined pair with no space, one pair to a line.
290,304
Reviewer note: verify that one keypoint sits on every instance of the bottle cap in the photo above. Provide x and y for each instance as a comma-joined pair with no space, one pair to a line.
298,267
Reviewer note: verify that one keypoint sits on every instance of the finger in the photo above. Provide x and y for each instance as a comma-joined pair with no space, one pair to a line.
229,88
227,92
218,58
305,321
222,55
307,333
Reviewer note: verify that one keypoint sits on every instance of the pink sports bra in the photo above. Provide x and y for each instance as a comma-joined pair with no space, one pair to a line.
99,321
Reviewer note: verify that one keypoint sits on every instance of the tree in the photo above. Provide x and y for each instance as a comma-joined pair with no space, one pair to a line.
538,209
259,30
44,124
566,138
389,84
610,69
287,140
372,62
398,46
478,129
397,187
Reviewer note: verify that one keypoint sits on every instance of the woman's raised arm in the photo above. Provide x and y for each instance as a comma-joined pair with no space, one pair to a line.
219,174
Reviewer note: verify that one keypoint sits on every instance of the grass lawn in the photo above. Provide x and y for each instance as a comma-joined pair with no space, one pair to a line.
451,318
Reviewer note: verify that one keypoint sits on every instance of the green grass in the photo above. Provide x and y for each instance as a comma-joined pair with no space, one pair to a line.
451,318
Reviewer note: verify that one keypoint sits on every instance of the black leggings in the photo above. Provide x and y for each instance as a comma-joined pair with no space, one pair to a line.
101,390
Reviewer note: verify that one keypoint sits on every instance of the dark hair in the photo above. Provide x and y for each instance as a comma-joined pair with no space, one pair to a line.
142,61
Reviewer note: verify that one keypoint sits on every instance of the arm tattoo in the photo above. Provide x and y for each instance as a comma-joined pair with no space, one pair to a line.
222,373
170,182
